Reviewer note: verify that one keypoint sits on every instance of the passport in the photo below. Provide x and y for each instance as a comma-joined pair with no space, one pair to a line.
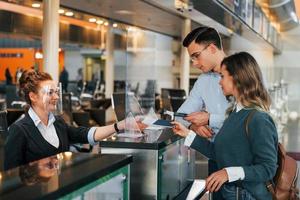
162,122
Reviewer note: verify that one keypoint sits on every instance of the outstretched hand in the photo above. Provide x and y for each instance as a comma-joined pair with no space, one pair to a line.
198,118
180,129
141,125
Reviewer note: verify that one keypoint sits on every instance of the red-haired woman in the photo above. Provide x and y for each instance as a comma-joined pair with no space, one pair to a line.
41,134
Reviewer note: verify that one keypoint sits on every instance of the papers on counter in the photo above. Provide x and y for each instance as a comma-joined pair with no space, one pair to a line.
130,135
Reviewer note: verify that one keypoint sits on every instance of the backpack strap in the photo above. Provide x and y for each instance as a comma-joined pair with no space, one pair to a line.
269,184
270,188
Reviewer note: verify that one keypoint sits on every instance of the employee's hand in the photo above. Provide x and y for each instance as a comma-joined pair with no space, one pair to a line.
216,180
180,129
198,118
141,125
203,131
121,125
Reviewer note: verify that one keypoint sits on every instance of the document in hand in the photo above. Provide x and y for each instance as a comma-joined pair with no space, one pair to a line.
161,122
197,189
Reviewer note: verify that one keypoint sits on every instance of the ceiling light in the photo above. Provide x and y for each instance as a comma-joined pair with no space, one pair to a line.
115,25
69,14
61,11
124,12
106,23
36,5
99,22
92,20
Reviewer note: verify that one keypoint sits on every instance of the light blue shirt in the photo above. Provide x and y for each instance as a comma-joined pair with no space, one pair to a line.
207,95
49,132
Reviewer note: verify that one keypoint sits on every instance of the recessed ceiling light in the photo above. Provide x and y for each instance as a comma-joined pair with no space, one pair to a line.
69,14
99,22
61,11
115,25
92,19
124,12
106,23
36,5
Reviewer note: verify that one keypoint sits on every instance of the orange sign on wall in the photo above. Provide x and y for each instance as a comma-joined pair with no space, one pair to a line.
12,58
25,58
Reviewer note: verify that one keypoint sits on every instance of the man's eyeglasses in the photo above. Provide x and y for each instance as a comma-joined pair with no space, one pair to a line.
195,56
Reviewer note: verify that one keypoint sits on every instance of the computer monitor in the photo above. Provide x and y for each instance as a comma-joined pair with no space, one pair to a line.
13,114
172,99
123,103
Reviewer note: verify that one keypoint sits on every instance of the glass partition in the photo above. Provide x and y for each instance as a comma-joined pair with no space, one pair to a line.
149,60
141,80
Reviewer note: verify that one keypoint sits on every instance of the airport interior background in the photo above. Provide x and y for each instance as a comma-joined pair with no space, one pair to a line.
111,47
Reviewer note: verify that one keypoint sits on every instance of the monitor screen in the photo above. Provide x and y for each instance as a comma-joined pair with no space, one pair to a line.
123,103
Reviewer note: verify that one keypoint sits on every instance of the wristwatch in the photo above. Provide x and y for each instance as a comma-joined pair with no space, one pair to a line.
116,127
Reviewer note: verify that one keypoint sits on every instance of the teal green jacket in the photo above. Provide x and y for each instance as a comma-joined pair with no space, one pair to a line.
256,153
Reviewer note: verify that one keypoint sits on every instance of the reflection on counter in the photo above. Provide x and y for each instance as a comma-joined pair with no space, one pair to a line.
40,171
69,175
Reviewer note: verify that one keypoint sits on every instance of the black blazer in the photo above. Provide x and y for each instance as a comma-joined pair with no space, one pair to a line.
26,144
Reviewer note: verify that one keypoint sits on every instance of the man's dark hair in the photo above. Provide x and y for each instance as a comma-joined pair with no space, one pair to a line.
203,35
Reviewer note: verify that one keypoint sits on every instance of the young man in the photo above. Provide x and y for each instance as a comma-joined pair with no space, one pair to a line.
206,104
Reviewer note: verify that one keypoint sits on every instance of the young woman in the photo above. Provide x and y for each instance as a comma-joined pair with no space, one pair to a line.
245,162
41,134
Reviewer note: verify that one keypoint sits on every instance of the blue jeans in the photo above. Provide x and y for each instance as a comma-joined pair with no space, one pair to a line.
229,192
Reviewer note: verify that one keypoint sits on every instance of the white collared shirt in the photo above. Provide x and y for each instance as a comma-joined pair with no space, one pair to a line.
238,107
47,131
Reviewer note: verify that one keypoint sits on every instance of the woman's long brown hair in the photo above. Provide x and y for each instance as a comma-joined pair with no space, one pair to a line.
247,78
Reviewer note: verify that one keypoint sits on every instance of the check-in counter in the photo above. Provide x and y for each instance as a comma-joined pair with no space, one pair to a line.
69,176
161,166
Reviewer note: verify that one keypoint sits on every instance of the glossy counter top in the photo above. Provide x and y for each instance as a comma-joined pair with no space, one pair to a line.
58,175
152,139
